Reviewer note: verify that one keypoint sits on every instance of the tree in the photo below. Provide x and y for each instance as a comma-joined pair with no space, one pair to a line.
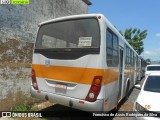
135,38
148,61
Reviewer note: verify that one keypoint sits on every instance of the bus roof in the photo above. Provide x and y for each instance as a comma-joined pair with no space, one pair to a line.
70,17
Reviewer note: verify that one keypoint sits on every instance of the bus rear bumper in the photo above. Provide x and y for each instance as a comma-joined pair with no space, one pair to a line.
69,101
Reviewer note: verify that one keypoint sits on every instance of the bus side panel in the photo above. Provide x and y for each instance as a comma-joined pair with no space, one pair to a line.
111,96
132,77
111,88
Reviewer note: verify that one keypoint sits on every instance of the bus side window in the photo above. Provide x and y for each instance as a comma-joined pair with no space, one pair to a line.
131,60
109,48
112,49
128,56
115,50
125,55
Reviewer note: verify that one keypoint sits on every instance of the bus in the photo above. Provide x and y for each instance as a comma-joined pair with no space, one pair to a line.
82,61
142,66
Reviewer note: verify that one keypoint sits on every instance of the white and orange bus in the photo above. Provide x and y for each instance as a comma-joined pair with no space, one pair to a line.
82,61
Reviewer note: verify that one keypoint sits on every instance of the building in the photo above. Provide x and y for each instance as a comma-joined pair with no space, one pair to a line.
18,30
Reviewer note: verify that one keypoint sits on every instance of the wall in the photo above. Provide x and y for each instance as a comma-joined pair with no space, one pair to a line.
20,21
18,27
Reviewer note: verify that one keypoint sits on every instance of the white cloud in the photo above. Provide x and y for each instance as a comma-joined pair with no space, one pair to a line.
153,55
148,53
158,35
158,49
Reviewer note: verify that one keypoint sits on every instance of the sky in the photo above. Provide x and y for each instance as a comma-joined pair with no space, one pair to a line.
142,14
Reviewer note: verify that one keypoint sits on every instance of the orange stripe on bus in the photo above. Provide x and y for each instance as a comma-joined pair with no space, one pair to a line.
74,74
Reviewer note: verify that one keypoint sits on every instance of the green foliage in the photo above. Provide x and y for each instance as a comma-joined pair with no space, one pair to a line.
22,107
26,108
34,108
148,60
135,38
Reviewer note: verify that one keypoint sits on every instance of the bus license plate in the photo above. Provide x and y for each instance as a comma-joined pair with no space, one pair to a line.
60,88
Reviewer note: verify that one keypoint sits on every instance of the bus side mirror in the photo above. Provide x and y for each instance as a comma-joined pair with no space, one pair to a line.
138,86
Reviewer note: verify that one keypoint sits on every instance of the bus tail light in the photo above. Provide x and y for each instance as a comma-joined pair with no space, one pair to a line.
34,81
94,89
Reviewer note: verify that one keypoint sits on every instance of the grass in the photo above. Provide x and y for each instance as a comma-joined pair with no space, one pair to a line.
26,108
34,108
22,107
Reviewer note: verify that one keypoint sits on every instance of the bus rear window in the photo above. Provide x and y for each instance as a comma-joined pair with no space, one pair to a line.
78,33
